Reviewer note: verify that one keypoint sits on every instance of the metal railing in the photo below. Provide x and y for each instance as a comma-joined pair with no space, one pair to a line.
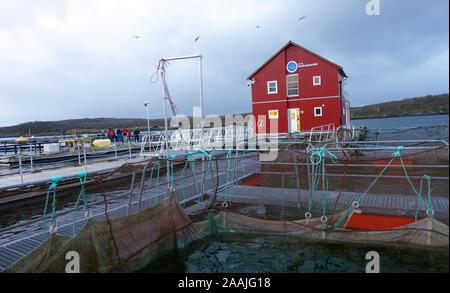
328,131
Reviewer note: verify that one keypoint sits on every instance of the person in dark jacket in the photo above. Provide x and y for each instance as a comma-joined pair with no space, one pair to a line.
119,135
136,134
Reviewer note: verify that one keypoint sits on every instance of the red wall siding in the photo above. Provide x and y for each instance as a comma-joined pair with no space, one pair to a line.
263,109
276,70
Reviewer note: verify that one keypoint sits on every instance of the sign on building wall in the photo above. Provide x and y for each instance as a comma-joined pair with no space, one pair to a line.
273,114
292,66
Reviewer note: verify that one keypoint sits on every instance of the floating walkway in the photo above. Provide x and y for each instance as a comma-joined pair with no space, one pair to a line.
15,181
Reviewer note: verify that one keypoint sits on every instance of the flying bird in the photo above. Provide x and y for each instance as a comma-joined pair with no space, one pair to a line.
257,26
136,37
301,18
196,38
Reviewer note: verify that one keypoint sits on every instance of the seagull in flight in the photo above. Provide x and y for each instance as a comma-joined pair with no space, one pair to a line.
257,26
301,18
136,37
196,38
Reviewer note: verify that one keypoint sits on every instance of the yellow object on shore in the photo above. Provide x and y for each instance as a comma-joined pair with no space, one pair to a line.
21,139
101,143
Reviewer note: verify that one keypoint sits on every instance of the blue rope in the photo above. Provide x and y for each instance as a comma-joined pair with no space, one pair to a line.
82,177
190,159
157,182
419,194
395,155
193,172
199,202
55,180
228,175
172,185
319,164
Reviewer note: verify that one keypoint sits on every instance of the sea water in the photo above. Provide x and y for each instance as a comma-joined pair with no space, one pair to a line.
403,122
256,253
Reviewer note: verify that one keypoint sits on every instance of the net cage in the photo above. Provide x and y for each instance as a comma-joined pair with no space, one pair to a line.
371,192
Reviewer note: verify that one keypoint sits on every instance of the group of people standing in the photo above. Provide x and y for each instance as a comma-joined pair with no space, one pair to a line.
122,135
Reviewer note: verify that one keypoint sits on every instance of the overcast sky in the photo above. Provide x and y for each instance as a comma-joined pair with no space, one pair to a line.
79,59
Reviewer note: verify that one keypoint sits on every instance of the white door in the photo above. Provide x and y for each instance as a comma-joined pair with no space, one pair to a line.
294,120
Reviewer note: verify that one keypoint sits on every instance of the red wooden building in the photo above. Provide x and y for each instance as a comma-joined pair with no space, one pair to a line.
298,90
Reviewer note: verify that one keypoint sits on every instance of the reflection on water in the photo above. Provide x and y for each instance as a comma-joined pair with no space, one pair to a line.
256,253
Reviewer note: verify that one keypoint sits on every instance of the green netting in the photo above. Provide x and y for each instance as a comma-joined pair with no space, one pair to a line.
128,243
427,232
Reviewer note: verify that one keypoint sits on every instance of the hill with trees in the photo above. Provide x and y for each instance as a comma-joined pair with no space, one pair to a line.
428,105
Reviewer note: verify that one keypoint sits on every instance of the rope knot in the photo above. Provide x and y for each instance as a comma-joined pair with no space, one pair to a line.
399,152
320,153
82,174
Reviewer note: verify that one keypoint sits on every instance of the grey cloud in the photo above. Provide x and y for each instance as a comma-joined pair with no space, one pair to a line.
401,53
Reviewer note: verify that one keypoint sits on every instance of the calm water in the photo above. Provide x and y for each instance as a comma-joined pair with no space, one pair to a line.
402,122
253,253
406,128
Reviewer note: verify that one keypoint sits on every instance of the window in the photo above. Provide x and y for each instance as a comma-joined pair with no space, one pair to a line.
317,111
273,114
272,87
317,80
292,85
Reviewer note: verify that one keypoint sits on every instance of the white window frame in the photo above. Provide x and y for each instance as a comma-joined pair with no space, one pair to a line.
274,110
321,111
276,87
314,80
287,87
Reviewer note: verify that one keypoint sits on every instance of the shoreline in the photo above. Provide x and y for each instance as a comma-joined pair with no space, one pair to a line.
396,116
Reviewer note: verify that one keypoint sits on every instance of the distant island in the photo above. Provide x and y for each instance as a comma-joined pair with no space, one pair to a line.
428,105
83,126
419,106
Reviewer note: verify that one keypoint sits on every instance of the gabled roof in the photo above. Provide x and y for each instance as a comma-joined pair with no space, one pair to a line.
298,46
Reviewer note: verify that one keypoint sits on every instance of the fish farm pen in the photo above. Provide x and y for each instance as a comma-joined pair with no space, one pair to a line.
263,198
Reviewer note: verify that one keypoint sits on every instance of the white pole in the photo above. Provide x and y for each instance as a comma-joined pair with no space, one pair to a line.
165,112
129,148
20,167
201,97
31,164
79,156
148,125
165,125
84,154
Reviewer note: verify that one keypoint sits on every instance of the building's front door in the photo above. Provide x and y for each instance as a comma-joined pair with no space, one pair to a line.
293,120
